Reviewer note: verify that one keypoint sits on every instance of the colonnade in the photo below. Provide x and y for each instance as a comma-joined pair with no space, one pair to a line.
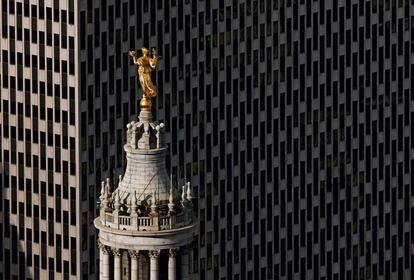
135,263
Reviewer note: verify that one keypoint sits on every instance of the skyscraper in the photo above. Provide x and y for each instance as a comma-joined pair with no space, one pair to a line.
293,118
40,197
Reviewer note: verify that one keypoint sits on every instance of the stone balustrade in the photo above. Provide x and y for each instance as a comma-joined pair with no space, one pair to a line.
145,223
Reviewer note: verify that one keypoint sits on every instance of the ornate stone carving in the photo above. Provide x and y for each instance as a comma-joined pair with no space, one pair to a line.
105,250
173,252
116,252
153,254
99,243
134,254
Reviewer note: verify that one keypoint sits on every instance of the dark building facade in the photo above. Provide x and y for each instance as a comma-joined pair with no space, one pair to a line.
293,118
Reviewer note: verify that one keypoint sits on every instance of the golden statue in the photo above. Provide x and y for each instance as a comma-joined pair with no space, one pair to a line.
145,65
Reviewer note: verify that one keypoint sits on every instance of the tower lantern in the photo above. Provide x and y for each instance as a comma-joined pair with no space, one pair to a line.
145,223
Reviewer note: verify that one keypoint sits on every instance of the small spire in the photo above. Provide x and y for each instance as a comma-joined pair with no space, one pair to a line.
129,202
119,179
161,135
183,195
189,197
117,202
157,128
102,197
133,203
171,199
108,190
108,187
153,203
134,199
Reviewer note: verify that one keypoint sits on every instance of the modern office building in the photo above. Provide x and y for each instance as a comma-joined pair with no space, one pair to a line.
293,118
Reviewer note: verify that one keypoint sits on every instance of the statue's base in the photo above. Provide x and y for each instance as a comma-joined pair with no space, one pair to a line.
145,104
145,116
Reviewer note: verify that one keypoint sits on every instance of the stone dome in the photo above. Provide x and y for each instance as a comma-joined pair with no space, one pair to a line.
145,173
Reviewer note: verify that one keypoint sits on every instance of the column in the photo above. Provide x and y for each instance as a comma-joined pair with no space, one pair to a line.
117,264
125,265
134,264
143,267
184,264
105,264
154,264
172,267
101,257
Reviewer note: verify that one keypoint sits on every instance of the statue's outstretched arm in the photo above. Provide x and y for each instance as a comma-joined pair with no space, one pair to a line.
153,61
134,56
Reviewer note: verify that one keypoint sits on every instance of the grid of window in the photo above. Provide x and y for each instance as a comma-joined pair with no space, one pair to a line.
38,218
293,119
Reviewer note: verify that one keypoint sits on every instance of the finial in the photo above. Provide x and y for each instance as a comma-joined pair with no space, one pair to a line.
189,197
108,187
117,202
171,199
145,65
153,203
134,205
129,202
161,135
108,190
119,179
134,137
103,197
183,195
102,191
134,201
158,128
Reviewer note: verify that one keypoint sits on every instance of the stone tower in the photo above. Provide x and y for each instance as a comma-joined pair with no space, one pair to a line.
145,225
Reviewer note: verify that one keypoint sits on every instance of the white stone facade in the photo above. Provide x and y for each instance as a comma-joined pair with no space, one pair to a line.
145,214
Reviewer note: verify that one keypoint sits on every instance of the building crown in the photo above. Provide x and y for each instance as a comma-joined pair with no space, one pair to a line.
144,198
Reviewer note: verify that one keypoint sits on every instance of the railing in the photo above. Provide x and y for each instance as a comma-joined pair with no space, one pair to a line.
164,221
144,221
124,221
155,223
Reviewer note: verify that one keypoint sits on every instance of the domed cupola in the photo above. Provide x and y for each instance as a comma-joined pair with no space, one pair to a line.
142,216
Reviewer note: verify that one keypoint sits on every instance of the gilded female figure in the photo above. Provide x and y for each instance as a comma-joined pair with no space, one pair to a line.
145,65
